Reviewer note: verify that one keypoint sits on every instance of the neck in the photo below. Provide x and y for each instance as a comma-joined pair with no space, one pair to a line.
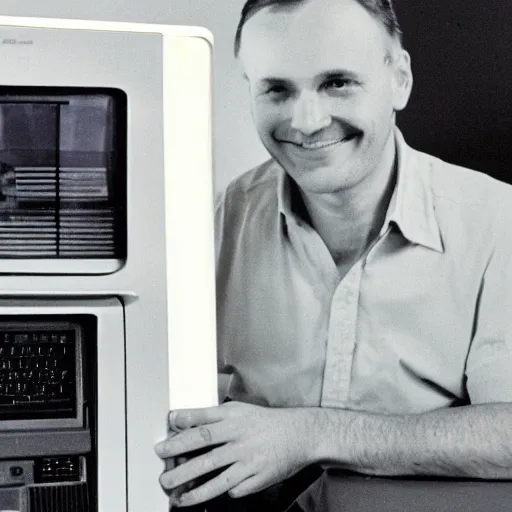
349,220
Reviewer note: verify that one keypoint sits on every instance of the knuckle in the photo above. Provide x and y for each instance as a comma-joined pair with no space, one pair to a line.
186,419
226,406
228,409
238,452
205,434
209,463
227,480
180,443
236,409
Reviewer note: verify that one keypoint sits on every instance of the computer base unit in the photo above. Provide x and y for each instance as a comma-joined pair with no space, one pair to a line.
48,484
105,150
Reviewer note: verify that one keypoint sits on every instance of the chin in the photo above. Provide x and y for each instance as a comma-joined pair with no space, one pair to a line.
324,180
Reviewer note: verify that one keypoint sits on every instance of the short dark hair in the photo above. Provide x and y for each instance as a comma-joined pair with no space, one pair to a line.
383,10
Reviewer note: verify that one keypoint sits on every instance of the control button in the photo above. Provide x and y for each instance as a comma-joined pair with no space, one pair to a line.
16,471
21,338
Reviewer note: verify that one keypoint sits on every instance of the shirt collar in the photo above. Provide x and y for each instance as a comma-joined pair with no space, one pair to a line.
284,198
411,207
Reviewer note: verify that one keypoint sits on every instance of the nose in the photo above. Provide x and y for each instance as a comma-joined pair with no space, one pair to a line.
309,115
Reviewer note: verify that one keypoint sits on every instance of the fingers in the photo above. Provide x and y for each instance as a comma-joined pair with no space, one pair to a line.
196,438
192,440
175,493
199,466
182,419
218,485
249,486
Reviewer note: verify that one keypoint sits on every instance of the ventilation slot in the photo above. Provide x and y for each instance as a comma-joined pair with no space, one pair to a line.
59,498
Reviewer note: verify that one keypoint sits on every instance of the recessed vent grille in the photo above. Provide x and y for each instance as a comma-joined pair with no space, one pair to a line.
59,498
51,233
39,228
77,184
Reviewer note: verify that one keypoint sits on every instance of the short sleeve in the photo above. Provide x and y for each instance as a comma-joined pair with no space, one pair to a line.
489,362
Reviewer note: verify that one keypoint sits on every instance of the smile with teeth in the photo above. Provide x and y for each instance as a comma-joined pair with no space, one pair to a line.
319,144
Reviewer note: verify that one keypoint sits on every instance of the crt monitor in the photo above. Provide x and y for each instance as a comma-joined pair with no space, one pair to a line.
62,179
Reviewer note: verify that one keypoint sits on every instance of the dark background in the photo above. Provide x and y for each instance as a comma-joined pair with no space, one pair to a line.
461,106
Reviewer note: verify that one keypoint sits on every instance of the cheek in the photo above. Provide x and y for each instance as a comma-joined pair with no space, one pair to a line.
356,111
366,107
265,119
374,119
383,100
373,102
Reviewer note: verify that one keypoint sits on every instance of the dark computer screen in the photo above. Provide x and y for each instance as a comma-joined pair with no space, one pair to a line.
62,173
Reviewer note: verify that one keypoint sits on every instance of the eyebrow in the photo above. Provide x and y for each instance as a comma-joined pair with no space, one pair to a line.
335,73
326,75
265,82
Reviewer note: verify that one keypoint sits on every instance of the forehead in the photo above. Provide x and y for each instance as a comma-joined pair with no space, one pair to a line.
306,40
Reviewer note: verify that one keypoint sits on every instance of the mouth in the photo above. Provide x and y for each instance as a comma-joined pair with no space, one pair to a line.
321,144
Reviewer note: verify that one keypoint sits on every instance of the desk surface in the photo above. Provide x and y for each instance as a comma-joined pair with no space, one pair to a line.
364,494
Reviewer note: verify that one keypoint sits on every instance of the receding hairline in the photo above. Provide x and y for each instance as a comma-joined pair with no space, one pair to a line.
392,29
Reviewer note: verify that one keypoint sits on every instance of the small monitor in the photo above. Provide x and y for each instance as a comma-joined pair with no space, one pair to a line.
47,411
41,374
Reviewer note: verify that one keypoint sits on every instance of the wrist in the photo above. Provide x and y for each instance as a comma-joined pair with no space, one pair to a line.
323,429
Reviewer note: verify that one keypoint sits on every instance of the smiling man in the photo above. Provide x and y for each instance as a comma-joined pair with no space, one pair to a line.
363,305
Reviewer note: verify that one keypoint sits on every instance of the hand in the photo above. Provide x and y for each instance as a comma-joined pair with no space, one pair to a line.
175,494
170,463
255,446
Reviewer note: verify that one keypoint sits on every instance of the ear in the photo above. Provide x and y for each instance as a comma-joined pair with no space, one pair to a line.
402,80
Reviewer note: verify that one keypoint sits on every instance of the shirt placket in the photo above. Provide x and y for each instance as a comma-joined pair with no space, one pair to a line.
341,340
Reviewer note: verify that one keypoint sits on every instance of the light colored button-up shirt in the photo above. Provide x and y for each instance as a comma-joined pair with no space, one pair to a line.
422,321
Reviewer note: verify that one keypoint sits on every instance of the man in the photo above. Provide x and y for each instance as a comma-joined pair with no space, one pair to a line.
362,286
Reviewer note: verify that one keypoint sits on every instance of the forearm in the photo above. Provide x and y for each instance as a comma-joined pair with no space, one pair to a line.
472,441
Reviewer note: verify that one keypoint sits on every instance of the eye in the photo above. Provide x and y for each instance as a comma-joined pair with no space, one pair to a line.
276,93
277,90
338,83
